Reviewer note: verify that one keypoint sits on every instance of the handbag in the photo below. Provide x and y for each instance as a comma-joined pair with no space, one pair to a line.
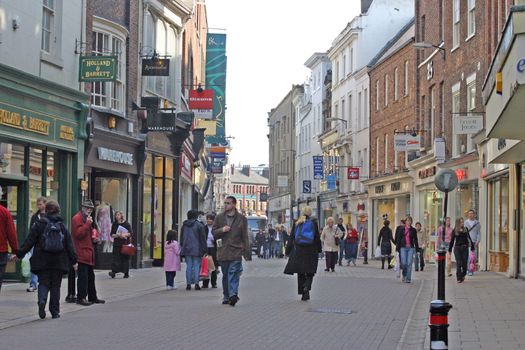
211,264
337,240
128,249
377,252
204,272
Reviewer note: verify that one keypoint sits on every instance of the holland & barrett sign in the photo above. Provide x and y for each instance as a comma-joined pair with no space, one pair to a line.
98,68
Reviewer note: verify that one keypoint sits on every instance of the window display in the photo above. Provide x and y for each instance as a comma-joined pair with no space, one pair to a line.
432,211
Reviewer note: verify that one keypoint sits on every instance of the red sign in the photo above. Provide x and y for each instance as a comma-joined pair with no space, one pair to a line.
461,174
353,173
201,100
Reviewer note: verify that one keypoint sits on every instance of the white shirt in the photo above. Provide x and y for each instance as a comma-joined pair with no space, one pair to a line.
209,242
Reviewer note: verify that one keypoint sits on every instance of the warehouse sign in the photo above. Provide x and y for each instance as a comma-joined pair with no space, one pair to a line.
98,68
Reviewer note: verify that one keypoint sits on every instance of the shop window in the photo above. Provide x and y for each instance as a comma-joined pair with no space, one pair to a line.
12,159
499,215
168,196
52,183
35,178
158,208
146,215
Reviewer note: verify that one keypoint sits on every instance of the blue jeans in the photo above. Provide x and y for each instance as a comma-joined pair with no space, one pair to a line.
341,251
231,274
34,281
193,269
406,255
277,248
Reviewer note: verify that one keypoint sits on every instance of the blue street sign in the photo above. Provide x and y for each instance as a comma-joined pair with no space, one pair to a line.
331,181
307,186
318,167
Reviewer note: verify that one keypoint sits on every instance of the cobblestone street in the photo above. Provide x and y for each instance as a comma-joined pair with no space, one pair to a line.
359,307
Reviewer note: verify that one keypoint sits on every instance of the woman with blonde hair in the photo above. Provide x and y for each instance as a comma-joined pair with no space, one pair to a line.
331,238
303,248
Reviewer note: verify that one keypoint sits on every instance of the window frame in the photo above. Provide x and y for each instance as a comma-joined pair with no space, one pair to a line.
471,18
49,7
396,96
456,17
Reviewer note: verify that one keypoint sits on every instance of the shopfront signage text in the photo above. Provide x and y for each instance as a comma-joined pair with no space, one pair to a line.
24,122
155,67
201,103
98,68
67,133
461,174
115,156
423,174
318,167
395,186
467,124
353,173
521,65
406,142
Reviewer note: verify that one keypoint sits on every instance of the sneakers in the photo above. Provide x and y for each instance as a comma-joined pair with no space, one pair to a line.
71,299
470,274
42,311
31,289
55,316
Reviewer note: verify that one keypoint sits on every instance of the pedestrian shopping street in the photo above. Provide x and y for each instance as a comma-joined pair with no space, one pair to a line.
360,307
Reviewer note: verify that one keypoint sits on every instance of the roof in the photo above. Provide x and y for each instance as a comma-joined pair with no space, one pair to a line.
391,42
253,179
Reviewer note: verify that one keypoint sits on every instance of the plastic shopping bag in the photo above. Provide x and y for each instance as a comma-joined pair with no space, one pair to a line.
26,266
204,273
472,265
394,263
378,252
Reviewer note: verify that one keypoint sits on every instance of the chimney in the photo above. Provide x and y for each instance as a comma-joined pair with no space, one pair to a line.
246,170
365,4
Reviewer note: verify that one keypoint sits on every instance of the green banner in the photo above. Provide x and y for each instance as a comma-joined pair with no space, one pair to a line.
216,80
98,68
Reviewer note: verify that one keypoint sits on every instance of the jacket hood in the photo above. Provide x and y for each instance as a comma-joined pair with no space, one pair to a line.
53,218
190,223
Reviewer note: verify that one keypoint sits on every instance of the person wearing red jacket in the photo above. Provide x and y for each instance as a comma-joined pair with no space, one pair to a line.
83,239
7,236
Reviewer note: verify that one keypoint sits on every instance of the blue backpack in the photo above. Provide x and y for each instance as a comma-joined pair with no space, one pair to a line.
304,233
52,240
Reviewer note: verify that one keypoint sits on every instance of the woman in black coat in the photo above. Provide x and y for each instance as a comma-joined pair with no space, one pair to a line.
383,241
120,262
303,259
47,265
406,245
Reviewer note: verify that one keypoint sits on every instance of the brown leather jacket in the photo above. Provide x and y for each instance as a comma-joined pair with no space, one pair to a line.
235,243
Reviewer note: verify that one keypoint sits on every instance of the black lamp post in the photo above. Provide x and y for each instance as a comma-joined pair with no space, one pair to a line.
446,180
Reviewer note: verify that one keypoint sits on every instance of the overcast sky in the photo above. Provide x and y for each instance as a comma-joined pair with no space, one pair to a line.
268,42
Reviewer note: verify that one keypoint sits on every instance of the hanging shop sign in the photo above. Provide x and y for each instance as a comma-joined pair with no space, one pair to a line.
162,121
216,167
217,152
406,142
111,155
201,103
318,167
155,67
461,174
352,173
467,124
98,68
307,186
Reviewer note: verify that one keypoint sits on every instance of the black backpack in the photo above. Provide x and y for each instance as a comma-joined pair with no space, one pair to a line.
53,238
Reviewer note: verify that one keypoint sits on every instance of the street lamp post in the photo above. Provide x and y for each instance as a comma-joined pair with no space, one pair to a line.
292,188
446,180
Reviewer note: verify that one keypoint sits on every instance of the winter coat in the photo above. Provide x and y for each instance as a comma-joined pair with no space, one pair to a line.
303,259
41,260
117,241
461,238
400,238
328,238
235,243
172,256
384,239
193,238
81,234
7,231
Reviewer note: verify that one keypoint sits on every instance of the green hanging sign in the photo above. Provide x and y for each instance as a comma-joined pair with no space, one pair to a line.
98,68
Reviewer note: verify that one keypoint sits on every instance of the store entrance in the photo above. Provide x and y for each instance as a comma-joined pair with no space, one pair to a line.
12,198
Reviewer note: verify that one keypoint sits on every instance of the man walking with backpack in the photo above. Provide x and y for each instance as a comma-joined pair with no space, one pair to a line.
230,230
303,250
81,228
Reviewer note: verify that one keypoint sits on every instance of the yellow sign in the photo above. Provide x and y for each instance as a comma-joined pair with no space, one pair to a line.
209,125
67,133
19,121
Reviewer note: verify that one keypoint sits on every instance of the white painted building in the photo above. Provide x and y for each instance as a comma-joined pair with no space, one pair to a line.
350,53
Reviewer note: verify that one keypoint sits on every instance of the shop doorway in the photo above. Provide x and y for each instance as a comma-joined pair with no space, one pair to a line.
12,198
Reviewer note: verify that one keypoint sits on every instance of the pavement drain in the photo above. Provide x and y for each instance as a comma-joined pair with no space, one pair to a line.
331,311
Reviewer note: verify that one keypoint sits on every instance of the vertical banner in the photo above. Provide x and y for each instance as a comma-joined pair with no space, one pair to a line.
318,167
216,80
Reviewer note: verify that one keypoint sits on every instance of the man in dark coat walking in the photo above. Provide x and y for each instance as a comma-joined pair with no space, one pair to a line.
303,259
193,247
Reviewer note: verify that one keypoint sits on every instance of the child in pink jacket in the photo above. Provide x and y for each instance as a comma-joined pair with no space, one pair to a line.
171,258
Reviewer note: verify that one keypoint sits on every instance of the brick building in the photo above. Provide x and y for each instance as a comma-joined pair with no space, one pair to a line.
248,187
392,111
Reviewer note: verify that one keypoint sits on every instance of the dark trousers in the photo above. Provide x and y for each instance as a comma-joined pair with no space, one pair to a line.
304,282
170,277
71,282
86,282
49,281
119,262
389,257
461,254
331,258
212,251
3,264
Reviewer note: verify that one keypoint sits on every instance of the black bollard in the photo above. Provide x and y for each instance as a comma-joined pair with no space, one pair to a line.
438,323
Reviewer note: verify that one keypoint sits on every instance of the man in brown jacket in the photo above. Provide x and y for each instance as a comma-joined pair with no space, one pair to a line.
230,230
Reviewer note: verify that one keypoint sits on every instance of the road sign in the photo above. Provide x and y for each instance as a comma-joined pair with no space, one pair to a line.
353,173
318,167
446,180
307,186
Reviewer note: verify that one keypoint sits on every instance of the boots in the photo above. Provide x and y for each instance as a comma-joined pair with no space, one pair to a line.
389,260
383,263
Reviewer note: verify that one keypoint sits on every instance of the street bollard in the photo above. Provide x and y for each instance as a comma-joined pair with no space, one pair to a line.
438,323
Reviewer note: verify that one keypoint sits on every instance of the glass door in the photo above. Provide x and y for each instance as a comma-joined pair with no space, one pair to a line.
12,198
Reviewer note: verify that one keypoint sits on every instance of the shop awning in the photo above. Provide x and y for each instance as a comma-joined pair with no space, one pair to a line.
511,124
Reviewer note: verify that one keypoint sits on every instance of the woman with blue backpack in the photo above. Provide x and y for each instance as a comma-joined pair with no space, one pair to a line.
303,248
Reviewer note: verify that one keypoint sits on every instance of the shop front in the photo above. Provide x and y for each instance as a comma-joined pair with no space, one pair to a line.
42,133
326,206
113,164
389,199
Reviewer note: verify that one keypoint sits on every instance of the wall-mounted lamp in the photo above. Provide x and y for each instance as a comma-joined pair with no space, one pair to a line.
112,122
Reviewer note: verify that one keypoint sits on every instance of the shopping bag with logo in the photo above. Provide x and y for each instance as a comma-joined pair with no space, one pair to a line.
472,265
204,273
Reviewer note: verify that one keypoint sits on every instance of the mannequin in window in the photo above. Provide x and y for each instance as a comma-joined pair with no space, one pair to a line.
104,215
